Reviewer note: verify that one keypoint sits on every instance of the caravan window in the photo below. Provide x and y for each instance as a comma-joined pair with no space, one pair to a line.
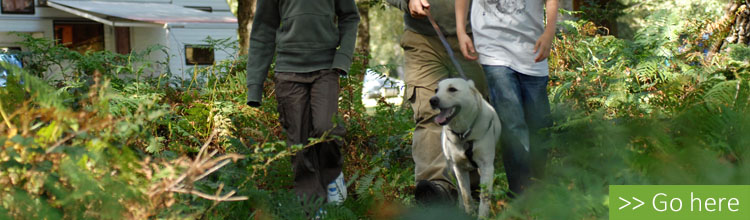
199,54
17,6
80,36
9,49
202,8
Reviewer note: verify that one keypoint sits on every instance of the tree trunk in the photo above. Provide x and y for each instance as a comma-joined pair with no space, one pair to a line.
738,14
245,15
363,36
739,33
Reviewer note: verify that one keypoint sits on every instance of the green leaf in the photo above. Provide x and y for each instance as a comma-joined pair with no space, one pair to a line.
156,114
23,141
155,145
49,133
11,163
44,166
74,152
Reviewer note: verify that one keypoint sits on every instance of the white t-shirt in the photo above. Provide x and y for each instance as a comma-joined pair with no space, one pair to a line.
505,32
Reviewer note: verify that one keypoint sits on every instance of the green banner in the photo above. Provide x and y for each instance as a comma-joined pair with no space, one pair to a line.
684,202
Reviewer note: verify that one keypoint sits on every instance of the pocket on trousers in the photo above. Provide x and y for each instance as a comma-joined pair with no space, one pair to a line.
410,94
280,107
420,101
281,100
406,41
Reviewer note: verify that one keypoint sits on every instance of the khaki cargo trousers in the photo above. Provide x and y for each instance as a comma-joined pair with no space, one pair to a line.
427,63
307,104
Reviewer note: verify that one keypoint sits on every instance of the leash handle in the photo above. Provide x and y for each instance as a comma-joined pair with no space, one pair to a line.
446,45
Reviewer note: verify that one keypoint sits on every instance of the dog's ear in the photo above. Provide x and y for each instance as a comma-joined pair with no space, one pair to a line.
476,91
471,83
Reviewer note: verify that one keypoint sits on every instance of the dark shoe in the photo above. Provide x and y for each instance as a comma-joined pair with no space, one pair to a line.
429,192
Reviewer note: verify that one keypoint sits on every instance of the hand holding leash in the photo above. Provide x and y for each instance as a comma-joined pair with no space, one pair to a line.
418,8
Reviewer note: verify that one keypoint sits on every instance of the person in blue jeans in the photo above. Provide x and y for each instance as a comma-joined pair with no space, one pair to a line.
512,44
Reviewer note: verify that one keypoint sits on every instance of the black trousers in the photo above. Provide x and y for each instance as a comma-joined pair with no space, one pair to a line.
308,104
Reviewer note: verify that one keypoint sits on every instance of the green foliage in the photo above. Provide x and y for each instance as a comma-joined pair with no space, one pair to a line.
83,148
58,163
672,16
106,142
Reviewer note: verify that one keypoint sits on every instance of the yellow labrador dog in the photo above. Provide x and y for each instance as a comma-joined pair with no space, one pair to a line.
471,128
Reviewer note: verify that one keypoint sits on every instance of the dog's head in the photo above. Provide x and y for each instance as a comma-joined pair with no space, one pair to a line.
451,96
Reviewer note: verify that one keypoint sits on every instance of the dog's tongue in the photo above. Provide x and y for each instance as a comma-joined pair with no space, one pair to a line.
443,116
440,118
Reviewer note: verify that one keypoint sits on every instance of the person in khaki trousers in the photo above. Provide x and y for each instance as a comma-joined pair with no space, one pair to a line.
427,63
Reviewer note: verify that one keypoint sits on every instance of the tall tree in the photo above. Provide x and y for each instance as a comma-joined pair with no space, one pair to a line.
733,28
245,12
740,31
363,31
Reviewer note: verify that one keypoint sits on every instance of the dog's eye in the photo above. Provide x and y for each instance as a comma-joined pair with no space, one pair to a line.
436,90
451,89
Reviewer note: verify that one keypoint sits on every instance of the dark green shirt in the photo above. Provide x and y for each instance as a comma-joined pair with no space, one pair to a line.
444,12
305,36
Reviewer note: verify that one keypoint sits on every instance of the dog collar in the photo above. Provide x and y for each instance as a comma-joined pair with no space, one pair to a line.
467,133
462,136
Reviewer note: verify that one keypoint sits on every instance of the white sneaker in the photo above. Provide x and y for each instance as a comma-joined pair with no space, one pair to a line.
320,214
337,190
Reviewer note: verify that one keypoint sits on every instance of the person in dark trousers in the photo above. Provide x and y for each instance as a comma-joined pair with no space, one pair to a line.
313,41
427,62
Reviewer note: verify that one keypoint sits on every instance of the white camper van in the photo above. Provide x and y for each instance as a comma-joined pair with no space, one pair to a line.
125,25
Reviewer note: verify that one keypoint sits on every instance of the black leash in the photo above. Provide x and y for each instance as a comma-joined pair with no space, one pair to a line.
446,45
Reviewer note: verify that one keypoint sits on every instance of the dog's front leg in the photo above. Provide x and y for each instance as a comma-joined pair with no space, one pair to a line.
486,173
462,177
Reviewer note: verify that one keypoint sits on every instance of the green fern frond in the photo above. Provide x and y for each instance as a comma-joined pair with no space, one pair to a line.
365,183
721,95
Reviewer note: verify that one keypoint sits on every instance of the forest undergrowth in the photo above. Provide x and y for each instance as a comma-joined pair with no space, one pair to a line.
120,137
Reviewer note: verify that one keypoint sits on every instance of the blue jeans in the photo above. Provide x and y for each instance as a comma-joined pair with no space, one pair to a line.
522,104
